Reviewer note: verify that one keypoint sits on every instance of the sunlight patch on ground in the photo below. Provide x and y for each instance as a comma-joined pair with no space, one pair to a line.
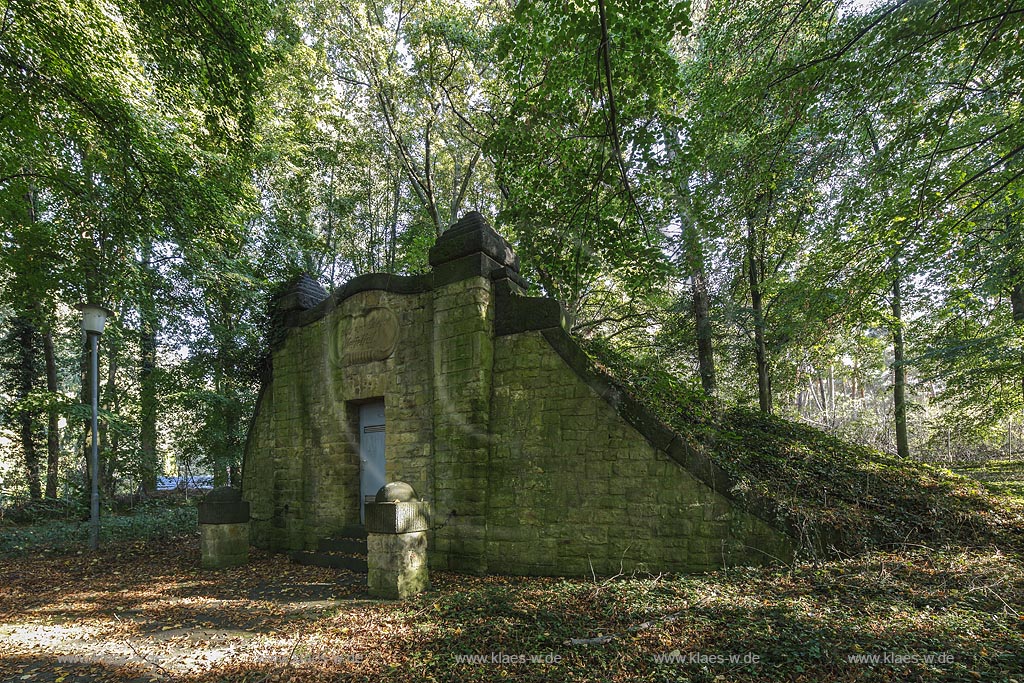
181,651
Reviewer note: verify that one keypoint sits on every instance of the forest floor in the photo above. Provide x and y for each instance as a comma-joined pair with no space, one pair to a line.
1001,477
143,610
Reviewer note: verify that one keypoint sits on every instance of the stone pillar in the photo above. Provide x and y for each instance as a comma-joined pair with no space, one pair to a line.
396,542
464,259
224,528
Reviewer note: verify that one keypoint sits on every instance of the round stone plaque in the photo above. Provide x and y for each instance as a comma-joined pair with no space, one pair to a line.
367,336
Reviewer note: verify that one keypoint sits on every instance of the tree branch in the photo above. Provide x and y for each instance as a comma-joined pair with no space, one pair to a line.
605,51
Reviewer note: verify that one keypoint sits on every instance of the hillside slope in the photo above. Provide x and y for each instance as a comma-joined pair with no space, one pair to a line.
837,497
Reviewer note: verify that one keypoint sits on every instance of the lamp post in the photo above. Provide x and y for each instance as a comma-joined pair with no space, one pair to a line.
93,319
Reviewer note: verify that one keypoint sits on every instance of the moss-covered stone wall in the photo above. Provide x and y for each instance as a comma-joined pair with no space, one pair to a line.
574,486
532,464
463,370
301,473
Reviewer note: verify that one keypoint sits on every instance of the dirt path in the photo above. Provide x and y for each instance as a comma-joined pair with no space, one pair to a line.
146,612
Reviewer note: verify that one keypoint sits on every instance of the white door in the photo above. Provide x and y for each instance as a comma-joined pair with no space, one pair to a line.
371,452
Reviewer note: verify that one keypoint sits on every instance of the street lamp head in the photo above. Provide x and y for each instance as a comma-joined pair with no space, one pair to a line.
93,317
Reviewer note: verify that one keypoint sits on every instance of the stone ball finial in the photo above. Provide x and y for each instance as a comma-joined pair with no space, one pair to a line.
396,492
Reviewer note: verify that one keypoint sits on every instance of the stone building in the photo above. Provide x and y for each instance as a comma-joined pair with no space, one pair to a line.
475,394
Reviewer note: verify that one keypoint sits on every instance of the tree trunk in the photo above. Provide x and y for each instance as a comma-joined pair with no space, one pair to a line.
109,441
702,319
86,398
899,370
1016,283
396,198
26,418
226,455
52,419
149,465
764,389
428,184
231,427
832,395
27,376
114,401
693,263
824,397
1019,292
1017,304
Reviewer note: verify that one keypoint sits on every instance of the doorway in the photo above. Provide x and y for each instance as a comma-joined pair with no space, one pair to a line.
371,452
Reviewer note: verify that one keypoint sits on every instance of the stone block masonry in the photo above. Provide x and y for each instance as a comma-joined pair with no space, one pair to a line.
573,487
531,460
224,528
224,545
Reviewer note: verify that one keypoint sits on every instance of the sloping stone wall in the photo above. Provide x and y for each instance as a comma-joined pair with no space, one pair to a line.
532,462
574,487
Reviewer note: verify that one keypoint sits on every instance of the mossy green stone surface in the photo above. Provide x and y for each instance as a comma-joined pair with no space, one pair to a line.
528,468
224,545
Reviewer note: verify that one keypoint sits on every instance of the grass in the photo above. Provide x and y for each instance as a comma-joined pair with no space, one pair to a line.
152,520
1002,477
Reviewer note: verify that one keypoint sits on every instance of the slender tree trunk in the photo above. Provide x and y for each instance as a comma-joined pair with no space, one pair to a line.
226,454
460,191
85,397
824,397
27,372
109,441
693,262
764,390
813,394
702,319
453,205
832,395
797,392
899,393
148,470
1016,285
428,184
1017,302
52,419
27,375
393,220
231,426
28,447
114,401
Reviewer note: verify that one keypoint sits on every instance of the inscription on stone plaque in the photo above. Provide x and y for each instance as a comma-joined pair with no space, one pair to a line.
367,336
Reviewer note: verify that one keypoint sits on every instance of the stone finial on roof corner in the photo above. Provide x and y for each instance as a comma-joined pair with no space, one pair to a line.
474,220
472,234
301,293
